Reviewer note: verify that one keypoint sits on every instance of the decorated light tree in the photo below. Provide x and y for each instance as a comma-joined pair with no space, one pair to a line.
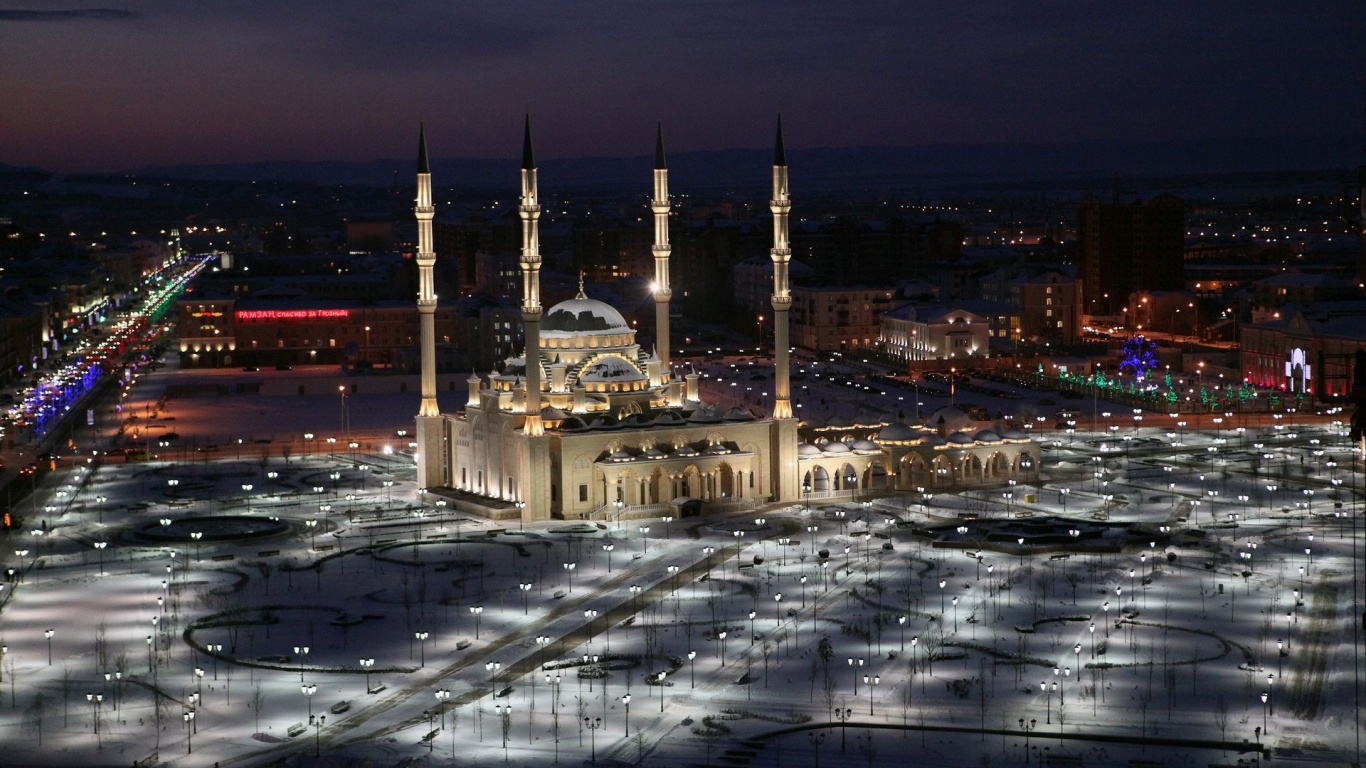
1139,356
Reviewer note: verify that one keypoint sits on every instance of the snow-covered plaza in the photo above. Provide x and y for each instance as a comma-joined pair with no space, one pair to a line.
1176,597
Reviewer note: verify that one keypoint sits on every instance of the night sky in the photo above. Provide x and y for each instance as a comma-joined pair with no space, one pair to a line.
122,84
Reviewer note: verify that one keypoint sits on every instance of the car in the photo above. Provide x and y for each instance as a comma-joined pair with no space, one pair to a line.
284,367
251,369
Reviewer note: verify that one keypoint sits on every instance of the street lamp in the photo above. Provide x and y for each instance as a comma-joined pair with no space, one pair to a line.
302,650
308,691
188,717
421,638
477,611
367,665
593,724
692,668
48,634
626,701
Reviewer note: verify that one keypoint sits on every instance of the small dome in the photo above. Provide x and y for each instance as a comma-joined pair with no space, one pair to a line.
807,449
606,422
716,449
669,417
635,420
739,413
610,368
896,432
935,440
960,438
986,436
953,419
573,424
620,456
835,446
1013,434
704,415
583,315
864,445
551,413
686,450
652,453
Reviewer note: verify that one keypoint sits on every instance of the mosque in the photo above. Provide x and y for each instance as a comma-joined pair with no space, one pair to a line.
587,424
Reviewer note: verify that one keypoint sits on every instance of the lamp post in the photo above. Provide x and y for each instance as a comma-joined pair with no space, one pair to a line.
525,587
317,735
1048,689
842,715
308,691
48,634
421,638
492,668
692,668
99,547
871,681
752,614
816,740
1027,728
593,724
588,615
95,699
644,539
608,549
856,665
188,717
367,665
302,650
722,636
626,702
477,611
569,569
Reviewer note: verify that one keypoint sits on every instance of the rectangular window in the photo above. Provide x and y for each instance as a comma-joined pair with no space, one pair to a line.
583,493
1048,302
1048,313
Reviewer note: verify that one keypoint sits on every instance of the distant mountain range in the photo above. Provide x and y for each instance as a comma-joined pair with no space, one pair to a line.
846,170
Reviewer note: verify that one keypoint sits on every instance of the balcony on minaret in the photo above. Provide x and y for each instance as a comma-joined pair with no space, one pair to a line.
784,204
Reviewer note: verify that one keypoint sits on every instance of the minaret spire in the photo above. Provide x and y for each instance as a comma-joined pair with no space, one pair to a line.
528,157
781,254
659,206
422,165
530,212
779,155
430,453
783,468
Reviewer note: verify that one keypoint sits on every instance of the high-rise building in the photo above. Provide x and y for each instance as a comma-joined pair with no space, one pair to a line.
1125,247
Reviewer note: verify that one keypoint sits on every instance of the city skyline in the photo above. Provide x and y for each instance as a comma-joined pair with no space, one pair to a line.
135,83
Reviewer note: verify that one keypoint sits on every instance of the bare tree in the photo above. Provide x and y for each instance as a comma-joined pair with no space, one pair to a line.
35,716
101,646
1221,717
67,685
256,702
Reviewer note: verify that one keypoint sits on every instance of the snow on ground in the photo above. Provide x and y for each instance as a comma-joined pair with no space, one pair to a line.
1160,651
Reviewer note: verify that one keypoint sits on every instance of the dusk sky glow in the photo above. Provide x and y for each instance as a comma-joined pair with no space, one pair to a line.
165,81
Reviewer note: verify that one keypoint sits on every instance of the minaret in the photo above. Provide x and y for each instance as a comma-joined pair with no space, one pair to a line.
661,249
782,297
784,435
530,213
429,433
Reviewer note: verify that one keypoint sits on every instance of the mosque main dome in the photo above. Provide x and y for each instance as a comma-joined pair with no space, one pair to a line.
582,315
